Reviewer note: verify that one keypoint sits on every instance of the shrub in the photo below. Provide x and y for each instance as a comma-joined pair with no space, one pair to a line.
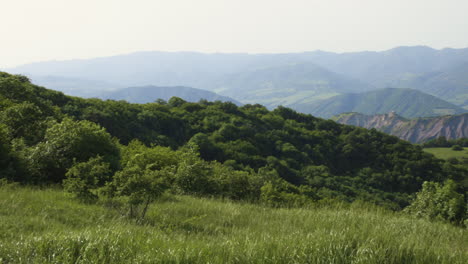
137,188
68,142
439,202
457,147
84,178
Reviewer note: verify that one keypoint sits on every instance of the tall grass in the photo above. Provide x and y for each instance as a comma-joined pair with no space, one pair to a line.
47,226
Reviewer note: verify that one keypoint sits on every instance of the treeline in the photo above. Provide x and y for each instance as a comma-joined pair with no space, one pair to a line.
137,151
442,142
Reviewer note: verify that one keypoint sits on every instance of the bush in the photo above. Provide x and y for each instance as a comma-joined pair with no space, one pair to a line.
84,178
194,175
457,147
68,142
439,202
137,188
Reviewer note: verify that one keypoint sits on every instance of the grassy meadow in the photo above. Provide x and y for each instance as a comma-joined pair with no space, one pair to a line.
446,153
48,226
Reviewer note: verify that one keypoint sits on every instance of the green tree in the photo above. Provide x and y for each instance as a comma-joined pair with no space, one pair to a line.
154,158
137,188
27,121
457,147
440,202
68,142
7,170
84,178
194,175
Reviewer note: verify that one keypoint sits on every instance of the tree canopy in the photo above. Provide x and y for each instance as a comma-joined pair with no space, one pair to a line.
205,148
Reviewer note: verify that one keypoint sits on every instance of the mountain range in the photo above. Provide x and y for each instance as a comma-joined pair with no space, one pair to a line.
272,79
147,94
287,85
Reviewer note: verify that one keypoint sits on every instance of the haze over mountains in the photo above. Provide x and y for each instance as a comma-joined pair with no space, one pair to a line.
148,94
295,80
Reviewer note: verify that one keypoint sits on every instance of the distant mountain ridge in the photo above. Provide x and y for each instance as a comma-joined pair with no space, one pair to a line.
289,85
75,86
408,103
416,130
440,73
449,84
147,94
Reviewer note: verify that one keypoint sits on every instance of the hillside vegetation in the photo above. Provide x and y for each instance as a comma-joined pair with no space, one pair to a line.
87,180
48,226
214,148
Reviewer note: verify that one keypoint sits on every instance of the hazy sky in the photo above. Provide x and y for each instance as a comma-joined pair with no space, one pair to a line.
33,30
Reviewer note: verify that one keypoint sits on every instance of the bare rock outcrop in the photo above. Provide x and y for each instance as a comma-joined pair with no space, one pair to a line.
414,130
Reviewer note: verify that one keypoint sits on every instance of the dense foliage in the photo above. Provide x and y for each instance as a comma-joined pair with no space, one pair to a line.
205,148
442,202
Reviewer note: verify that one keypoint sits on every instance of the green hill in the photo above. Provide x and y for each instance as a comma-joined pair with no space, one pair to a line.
408,103
135,152
147,94
187,182
295,157
450,84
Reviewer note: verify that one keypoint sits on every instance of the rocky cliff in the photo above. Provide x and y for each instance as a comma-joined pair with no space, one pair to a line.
414,130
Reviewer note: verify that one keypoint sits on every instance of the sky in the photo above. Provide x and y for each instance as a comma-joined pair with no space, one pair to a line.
33,30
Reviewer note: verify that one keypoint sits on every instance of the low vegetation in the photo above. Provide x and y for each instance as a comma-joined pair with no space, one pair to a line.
448,153
49,226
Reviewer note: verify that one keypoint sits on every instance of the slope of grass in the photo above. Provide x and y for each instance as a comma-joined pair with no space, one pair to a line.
446,153
47,226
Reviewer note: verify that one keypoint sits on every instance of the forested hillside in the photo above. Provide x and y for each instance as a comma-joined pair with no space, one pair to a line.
246,152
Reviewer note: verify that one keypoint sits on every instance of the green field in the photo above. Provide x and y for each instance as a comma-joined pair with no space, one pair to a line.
47,226
445,153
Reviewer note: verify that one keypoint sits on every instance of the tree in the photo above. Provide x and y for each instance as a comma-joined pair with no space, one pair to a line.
27,121
457,147
439,202
138,188
208,150
194,175
68,142
147,173
7,170
84,178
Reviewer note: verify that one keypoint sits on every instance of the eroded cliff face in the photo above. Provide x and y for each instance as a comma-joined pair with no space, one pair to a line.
414,130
